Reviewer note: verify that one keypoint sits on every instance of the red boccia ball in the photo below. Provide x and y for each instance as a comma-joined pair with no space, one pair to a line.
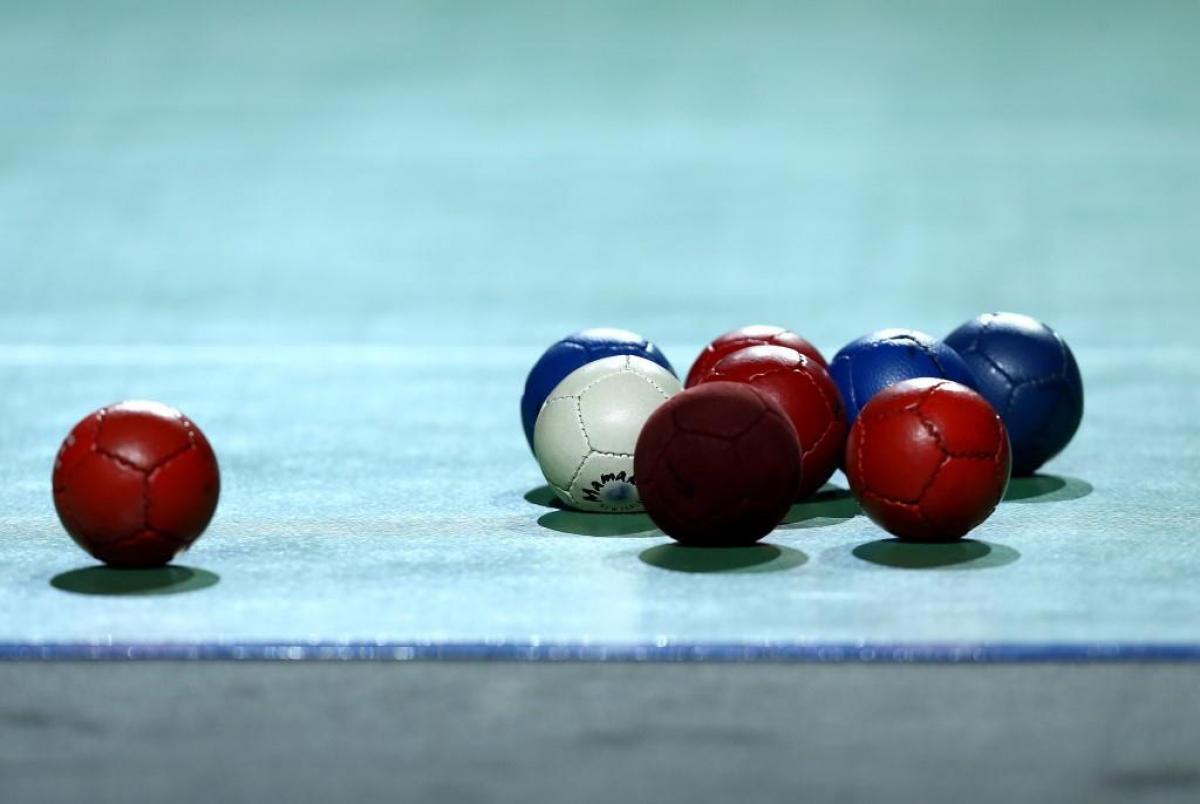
807,395
928,460
756,335
135,484
717,465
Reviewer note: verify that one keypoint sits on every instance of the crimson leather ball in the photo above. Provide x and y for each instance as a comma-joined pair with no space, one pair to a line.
755,335
135,484
717,465
928,460
806,393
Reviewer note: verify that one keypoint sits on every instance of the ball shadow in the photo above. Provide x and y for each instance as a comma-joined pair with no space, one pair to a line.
829,506
603,525
545,497
707,560
1046,488
963,554
113,582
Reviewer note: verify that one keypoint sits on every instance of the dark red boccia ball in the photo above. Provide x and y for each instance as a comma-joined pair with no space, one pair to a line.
135,484
806,393
928,460
755,335
717,465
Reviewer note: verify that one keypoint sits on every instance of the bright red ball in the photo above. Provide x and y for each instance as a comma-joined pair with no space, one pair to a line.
806,393
135,484
756,335
928,460
717,465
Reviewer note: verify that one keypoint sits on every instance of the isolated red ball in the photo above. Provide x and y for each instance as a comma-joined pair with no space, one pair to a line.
135,484
806,393
928,460
755,335
717,465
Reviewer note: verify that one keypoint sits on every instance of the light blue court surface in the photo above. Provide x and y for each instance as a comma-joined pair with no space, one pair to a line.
338,238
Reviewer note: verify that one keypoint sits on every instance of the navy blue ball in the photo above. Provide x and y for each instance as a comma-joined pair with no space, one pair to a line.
1027,371
866,366
576,351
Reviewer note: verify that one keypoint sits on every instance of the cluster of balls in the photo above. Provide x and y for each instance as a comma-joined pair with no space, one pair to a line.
928,432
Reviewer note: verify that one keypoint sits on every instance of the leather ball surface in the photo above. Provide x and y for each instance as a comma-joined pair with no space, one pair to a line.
718,465
866,366
756,335
585,435
806,393
576,351
135,484
928,460
1028,373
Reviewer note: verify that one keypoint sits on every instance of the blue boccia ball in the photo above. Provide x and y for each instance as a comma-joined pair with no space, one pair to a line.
866,366
575,351
1027,371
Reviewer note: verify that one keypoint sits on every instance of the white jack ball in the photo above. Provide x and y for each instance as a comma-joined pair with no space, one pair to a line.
588,427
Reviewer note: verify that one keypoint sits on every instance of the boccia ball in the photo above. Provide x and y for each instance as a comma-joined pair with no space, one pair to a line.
718,465
135,484
573,352
866,366
1026,370
928,460
756,335
585,435
805,392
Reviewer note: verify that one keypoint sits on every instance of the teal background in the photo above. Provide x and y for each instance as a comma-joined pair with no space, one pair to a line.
337,236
